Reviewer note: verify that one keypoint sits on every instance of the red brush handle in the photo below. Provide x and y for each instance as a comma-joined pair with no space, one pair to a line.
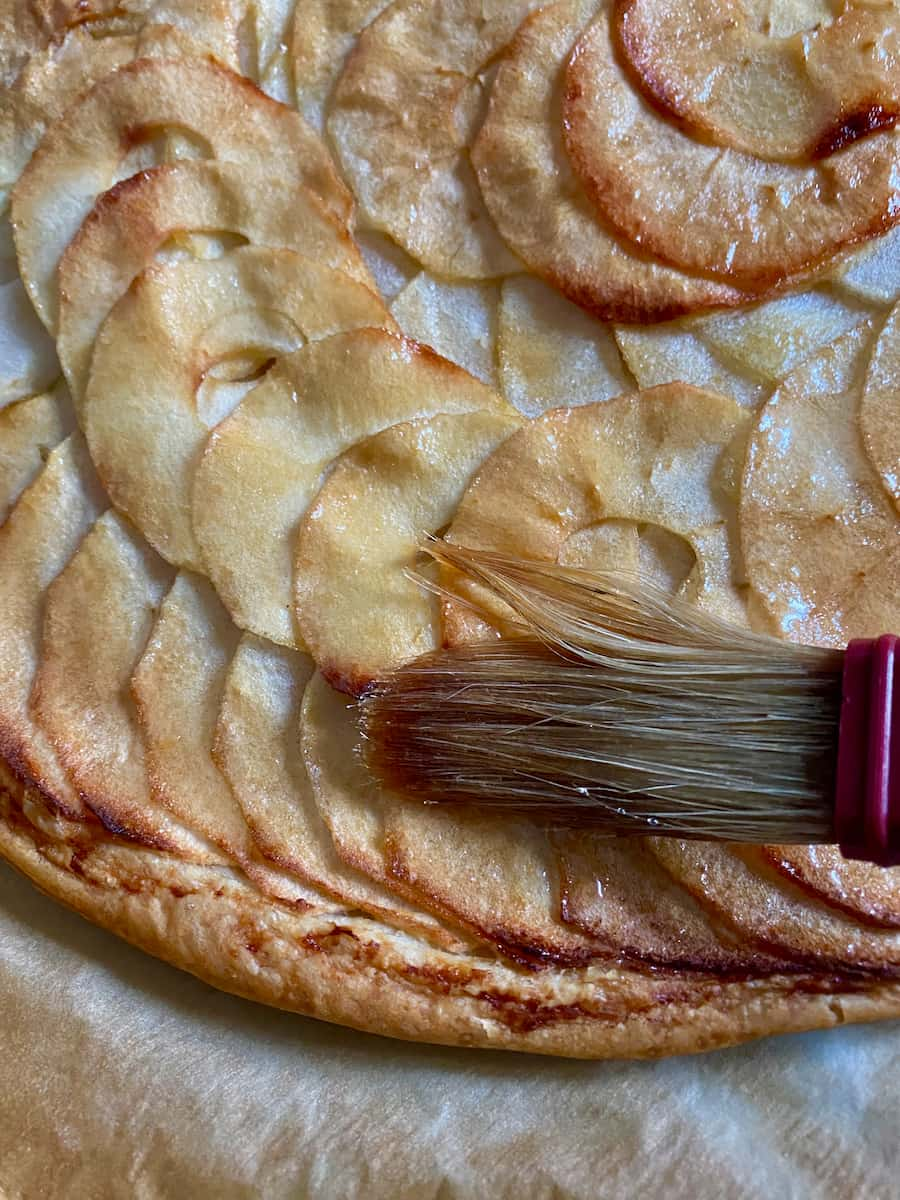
867,798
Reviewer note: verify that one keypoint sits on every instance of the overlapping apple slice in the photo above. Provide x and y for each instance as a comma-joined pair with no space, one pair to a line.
177,325
459,320
133,221
257,747
323,34
29,430
549,350
223,114
820,535
412,94
743,891
879,407
868,893
790,98
263,465
81,698
355,607
540,207
177,687
718,212
37,540
669,457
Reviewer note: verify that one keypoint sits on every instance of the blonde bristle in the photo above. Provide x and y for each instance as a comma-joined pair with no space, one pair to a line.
618,707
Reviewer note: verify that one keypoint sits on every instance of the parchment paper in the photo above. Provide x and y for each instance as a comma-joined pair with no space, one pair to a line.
121,1077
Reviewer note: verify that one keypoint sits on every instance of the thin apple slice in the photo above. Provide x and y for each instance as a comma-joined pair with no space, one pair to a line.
869,893
130,223
412,93
324,33
29,430
537,202
223,112
170,330
257,747
29,29
879,407
618,893
364,526
550,352
42,533
717,212
741,889
821,538
177,687
98,616
391,267
788,98
459,320
671,352
263,465
668,457
28,362
872,273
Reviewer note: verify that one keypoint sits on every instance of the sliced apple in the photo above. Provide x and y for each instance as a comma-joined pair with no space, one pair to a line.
81,697
221,111
177,687
821,538
537,202
28,362
670,457
355,606
740,888
130,223
616,892
718,212
789,98
872,273
42,533
459,320
27,30
171,330
671,352
258,748
879,407
351,807
323,34
865,891
550,352
412,94
263,465
29,430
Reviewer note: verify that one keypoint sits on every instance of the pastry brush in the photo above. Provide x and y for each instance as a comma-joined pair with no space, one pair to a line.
616,706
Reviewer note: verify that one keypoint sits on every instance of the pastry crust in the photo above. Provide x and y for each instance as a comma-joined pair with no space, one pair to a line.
355,971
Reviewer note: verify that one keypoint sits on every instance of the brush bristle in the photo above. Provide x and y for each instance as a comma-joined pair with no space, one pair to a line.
618,708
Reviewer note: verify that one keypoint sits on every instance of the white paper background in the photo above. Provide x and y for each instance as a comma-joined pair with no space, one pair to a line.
121,1077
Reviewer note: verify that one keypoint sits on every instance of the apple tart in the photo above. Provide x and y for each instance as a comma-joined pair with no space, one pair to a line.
285,285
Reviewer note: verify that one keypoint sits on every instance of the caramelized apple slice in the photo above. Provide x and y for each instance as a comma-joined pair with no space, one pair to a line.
670,457
257,746
741,889
412,93
28,362
36,542
794,98
29,430
870,894
89,147
702,208
177,687
172,330
263,465
355,607
821,538
81,697
879,407
537,202
133,221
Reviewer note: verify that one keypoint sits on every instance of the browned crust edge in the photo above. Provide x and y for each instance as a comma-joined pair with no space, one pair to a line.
353,971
